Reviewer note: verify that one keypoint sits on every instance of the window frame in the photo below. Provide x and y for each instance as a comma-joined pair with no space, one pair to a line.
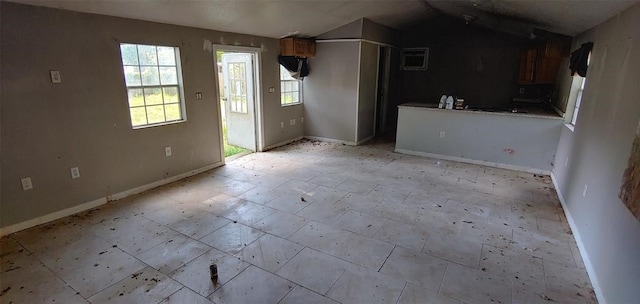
578,102
179,85
578,83
284,72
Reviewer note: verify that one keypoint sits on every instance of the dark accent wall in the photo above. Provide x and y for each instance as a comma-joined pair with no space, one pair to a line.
477,64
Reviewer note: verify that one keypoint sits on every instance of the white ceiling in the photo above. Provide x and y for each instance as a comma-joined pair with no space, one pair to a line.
279,18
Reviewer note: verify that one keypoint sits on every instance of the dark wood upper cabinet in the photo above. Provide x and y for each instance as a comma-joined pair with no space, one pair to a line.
540,62
297,47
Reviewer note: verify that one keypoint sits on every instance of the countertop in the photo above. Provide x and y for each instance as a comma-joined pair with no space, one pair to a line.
529,112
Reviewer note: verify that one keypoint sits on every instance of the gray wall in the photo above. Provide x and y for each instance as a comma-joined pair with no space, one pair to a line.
48,128
330,91
351,30
380,33
341,87
596,155
367,90
464,60
516,140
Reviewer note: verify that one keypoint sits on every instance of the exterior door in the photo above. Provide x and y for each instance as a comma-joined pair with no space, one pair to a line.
237,72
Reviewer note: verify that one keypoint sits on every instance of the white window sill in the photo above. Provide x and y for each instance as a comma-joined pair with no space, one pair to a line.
291,104
158,124
570,126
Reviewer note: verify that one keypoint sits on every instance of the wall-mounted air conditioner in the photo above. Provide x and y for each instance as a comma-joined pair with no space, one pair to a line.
415,58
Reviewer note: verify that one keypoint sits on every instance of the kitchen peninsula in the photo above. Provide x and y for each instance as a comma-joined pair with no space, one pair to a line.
519,141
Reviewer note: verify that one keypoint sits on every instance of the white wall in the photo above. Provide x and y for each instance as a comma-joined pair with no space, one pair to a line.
596,155
513,141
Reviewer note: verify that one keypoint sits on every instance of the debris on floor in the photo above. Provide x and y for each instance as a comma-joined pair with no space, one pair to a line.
213,270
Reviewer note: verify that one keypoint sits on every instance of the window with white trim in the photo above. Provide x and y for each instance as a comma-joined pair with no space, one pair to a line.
578,82
290,88
154,84
576,108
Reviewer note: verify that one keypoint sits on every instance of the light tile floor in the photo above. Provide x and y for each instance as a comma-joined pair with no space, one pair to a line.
311,222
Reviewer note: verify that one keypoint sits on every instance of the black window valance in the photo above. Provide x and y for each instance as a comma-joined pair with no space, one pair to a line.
297,66
579,59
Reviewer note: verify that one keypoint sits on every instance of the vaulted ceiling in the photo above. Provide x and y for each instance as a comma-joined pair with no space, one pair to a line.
279,18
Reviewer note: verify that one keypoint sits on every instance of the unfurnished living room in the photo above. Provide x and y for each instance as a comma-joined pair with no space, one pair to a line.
320,151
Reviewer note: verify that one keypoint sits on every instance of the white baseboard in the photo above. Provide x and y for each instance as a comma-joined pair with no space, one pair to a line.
476,162
103,200
331,140
362,141
51,217
280,144
583,252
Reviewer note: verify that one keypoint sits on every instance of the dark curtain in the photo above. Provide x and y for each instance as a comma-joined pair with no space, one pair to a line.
295,65
578,61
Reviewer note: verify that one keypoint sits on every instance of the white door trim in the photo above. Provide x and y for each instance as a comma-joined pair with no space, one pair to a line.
257,76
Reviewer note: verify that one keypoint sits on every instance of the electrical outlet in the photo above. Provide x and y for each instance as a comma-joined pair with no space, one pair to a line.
282,124
293,122
302,119
272,90
198,95
441,134
55,77
75,173
521,90
584,192
566,162
26,183
167,151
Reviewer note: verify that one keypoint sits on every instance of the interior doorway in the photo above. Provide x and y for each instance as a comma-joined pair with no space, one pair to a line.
237,83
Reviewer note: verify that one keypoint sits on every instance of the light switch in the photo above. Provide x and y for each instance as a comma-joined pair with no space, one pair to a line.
55,77
167,151
26,183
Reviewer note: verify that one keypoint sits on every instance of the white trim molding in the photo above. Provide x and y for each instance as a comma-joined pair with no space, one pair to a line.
280,144
331,140
476,162
101,201
578,238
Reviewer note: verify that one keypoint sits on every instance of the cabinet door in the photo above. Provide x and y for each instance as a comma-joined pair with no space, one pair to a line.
527,66
547,70
300,47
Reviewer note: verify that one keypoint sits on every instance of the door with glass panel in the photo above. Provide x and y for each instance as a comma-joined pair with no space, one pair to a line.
239,102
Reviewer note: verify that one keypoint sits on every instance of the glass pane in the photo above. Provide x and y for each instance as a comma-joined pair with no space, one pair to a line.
150,76
287,86
173,112
129,54
153,96
166,56
294,97
171,95
136,99
138,116
168,76
155,114
294,85
132,75
147,55
282,86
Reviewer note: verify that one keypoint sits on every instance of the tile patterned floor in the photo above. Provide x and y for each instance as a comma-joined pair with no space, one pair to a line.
311,222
